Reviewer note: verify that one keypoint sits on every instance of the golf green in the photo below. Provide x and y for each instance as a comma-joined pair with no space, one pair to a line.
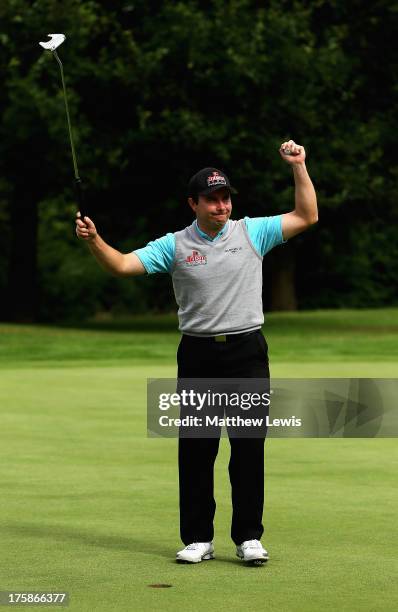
90,504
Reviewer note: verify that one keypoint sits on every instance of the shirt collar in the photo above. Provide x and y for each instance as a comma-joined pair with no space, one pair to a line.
206,236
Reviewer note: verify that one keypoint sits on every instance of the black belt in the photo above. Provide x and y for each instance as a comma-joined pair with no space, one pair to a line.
226,338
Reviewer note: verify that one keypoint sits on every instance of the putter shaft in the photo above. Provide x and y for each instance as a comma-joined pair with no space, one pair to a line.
68,118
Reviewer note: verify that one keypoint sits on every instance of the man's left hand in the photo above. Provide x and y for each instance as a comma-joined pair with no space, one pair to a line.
292,153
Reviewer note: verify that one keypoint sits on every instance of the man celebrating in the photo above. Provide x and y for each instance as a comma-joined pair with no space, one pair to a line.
216,269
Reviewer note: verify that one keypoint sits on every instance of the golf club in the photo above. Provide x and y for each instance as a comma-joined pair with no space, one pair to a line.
51,45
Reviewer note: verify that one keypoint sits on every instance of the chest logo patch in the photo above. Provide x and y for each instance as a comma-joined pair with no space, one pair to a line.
196,259
234,250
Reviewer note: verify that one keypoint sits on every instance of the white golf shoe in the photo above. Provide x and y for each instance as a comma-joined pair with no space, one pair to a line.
252,551
196,552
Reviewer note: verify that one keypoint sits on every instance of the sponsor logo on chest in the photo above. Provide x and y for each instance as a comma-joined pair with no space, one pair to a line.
234,250
195,259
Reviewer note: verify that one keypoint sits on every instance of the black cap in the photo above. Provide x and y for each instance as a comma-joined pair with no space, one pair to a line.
207,180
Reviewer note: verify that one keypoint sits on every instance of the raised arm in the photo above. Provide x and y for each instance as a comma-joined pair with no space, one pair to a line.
109,259
305,212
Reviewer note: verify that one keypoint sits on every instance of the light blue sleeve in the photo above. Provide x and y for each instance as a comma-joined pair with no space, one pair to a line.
158,255
265,232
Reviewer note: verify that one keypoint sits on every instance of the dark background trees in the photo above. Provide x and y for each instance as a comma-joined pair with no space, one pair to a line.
158,90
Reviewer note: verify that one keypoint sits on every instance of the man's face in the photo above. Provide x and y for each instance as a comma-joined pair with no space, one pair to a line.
213,210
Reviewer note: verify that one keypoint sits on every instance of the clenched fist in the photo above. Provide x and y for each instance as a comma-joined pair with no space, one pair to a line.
85,229
292,153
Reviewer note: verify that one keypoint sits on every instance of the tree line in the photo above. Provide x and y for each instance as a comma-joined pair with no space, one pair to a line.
158,90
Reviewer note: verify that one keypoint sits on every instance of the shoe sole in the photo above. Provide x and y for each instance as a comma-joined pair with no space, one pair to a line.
204,558
256,562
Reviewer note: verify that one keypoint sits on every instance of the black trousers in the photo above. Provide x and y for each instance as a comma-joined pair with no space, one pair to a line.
244,357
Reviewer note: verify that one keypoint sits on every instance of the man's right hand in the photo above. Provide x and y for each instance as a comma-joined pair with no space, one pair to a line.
85,229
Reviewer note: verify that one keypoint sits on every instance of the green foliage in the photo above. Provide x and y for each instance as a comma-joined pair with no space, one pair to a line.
72,284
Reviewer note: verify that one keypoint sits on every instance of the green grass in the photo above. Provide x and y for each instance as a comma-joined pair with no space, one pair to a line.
316,336
90,504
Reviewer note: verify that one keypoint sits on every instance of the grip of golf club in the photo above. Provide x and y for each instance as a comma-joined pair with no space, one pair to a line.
80,197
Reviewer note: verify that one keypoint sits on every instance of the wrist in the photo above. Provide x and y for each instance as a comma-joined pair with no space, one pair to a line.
299,167
93,240
300,171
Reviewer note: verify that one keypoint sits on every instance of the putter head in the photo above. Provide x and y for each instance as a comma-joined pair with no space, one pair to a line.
56,41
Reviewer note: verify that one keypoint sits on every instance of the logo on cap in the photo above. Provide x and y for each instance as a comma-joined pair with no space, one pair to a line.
215,179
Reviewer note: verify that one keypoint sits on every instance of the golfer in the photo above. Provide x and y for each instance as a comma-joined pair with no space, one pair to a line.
216,269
